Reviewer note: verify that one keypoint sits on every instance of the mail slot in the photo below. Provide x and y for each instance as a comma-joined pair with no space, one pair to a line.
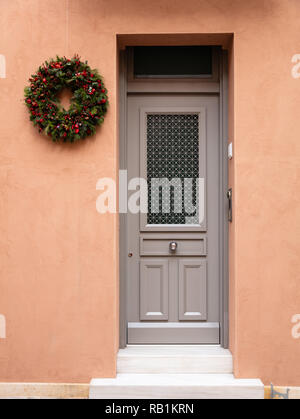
173,245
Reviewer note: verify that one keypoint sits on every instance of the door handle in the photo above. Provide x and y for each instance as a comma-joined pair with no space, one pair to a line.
173,246
229,196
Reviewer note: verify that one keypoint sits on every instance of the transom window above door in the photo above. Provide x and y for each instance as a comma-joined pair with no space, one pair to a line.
173,62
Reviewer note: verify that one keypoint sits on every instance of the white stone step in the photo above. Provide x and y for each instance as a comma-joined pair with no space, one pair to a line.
173,359
176,386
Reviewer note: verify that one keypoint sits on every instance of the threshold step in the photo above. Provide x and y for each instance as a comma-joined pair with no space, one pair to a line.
176,386
173,359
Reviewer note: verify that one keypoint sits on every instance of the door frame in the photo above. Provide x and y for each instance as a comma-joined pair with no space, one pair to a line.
200,86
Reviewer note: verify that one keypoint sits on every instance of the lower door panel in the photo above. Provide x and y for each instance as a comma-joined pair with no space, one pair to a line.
173,333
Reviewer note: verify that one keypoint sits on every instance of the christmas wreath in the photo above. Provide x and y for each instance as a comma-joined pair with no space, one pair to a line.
88,103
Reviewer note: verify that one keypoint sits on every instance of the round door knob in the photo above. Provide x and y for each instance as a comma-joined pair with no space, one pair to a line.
173,246
130,255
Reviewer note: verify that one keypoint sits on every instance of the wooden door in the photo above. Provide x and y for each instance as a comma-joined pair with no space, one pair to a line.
173,249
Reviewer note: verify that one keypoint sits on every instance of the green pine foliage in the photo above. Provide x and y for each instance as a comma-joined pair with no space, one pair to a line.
89,102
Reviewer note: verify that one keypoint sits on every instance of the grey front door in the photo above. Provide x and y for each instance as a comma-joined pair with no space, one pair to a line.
173,249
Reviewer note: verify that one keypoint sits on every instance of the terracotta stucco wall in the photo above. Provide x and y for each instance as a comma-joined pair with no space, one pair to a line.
58,256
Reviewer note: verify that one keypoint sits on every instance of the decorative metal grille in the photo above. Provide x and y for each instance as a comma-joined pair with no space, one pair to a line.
172,159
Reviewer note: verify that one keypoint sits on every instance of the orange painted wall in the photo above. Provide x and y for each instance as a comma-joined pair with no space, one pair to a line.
58,256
